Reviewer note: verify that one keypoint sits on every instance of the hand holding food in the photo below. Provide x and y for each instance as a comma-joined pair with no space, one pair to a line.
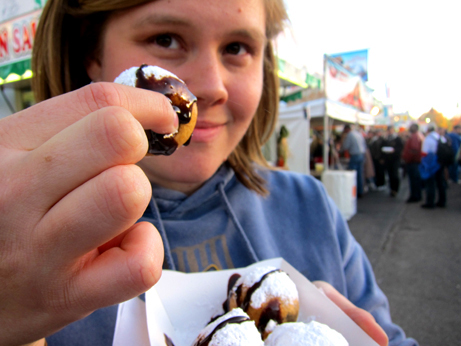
70,194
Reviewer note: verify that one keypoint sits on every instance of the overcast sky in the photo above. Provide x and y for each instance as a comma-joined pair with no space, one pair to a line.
414,46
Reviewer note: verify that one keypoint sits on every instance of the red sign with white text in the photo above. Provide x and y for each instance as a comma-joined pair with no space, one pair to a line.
17,38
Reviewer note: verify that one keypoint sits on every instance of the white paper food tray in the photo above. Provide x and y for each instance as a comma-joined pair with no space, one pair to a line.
180,305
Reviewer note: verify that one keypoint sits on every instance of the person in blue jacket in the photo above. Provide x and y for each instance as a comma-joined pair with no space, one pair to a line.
87,220
455,136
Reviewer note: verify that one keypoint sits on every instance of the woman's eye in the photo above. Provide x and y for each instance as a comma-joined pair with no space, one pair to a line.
166,41
236,48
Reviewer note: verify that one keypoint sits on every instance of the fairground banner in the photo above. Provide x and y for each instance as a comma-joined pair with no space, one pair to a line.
343,86
10,9
16,42
18,23
356,62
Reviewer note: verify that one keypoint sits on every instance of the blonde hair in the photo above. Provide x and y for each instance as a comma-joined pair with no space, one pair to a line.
70,32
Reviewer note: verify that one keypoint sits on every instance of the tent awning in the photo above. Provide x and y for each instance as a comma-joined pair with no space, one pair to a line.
289,80
17,39
290,75
316,109
348,114
15,71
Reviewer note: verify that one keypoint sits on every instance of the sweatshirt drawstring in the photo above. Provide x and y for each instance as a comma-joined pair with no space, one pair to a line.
166,245
237,223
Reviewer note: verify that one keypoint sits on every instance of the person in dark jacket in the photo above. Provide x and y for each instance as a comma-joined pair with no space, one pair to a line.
392,151
412,158
375,144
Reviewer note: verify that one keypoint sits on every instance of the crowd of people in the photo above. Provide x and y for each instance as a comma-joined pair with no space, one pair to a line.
430,160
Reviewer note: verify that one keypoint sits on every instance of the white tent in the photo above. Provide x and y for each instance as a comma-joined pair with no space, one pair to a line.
298,119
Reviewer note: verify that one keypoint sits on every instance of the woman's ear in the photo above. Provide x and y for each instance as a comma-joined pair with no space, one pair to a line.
93,69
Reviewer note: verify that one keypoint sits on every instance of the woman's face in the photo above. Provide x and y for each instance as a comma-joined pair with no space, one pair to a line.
217,48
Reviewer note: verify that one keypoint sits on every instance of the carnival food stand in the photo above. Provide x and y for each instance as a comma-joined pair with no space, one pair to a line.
347,100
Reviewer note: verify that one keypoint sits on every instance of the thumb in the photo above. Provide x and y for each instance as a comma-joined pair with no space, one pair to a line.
361,317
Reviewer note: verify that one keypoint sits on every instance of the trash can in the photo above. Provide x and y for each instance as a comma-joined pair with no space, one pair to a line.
342,188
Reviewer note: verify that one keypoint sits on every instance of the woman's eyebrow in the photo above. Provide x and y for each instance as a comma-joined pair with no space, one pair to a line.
252,34
154,19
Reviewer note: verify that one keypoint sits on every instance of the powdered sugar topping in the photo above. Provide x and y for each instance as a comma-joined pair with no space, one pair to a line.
243,334
305,334
128,77
277,284
233,334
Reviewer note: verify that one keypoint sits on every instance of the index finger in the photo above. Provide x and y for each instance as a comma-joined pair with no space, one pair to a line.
33,126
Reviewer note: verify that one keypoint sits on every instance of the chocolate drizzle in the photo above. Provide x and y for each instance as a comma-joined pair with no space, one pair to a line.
182,101
159,145
270,312
232,280
237,319
246,302
168,341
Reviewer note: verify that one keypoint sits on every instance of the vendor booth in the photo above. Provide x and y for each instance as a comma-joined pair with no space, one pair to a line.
299,118
347,100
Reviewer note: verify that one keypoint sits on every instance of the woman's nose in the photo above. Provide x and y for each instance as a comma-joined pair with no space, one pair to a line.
207,80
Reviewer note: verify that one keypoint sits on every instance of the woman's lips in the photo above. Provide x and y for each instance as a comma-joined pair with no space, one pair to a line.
206,132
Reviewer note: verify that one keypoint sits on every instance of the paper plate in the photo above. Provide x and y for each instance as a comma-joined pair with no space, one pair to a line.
180,305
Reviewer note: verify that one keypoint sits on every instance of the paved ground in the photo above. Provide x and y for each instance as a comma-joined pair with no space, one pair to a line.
416,255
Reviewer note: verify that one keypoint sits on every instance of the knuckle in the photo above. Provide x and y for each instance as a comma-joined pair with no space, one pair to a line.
121,132
127,192
159,111
59,301
99,95
141,269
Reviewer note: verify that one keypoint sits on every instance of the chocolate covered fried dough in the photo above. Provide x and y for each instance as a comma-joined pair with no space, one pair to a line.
231,329
182,100
262,309
265,294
